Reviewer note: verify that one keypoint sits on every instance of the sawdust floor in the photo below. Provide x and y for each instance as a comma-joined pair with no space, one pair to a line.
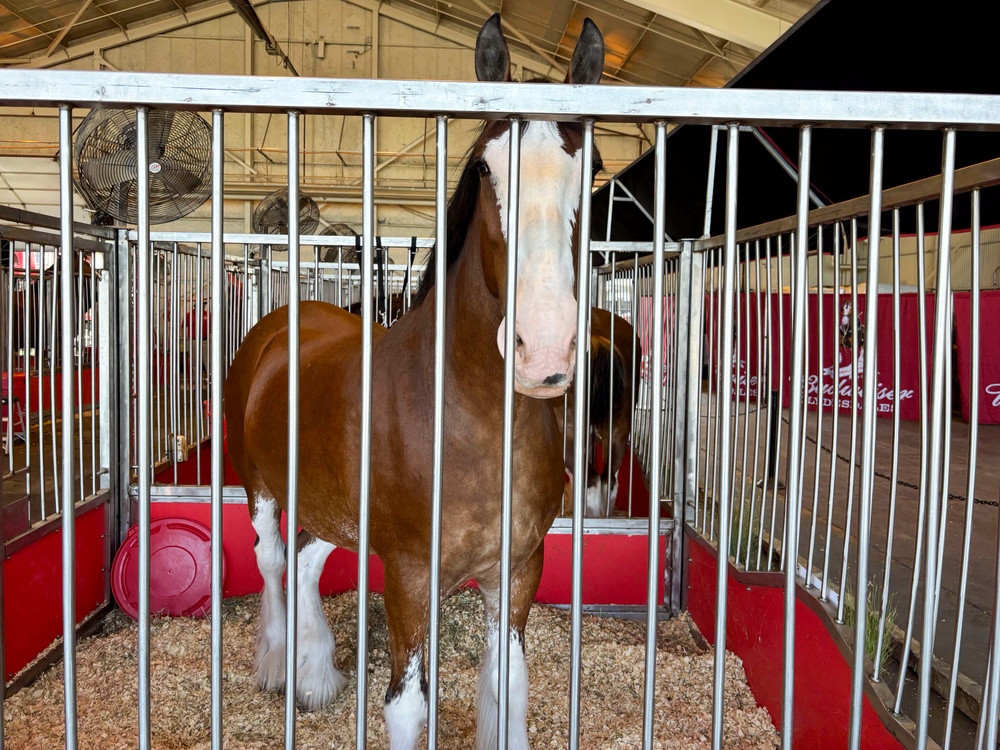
611,705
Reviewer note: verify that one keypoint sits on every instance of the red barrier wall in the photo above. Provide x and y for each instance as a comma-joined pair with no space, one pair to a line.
754,632
605,557
32,597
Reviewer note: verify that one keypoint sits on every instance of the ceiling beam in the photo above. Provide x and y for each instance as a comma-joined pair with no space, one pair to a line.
461,38
728,19
136,32
66,29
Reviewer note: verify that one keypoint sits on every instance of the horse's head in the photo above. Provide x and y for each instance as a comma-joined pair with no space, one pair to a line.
551,167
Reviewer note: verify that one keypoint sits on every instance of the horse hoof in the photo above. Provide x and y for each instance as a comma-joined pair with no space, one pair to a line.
319,687
270,669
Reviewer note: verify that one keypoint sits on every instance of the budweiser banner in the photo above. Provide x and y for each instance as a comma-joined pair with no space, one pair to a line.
989,354
755,349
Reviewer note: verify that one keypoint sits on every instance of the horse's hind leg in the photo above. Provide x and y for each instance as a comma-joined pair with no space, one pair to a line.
269,664
317,681
524,584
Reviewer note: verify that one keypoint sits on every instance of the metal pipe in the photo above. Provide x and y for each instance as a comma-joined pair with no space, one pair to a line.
143,459
819,408
970,485
292,506
849,516
891,523
364,499
726,395
793,488
656,448
924,446
506,498
440,290
868,439
66,356
825,589
218,301
942,342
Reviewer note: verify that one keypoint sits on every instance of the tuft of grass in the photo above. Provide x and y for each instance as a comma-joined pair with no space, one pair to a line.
872,615
743,534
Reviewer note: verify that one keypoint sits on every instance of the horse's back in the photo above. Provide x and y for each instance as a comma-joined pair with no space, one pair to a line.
258,377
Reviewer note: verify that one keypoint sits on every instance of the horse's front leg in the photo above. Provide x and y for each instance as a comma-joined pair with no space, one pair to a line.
406,618
524,584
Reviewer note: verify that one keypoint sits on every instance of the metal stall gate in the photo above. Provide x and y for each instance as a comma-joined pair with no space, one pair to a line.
693,442
57,306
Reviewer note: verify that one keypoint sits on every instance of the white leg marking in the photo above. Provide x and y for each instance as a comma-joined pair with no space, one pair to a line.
595,500
317,680
613,500
489,693
269,663
406,712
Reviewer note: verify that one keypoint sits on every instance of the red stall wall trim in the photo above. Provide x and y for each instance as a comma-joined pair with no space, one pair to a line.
755,632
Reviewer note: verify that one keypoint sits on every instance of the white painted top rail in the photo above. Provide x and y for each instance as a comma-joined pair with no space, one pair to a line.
497,100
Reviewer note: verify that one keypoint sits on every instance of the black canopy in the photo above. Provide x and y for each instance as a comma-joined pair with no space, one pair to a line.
860,45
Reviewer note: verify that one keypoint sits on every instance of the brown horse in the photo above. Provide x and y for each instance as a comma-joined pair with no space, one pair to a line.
613,380
402,422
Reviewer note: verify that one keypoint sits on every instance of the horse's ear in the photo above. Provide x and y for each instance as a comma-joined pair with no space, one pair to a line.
587,65
492,56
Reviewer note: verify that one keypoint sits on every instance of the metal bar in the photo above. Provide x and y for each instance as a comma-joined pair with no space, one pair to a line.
713,155
819,408
218,301
726,395
440,289
757,406
793,487
970,485
39,349
292,506
483,100
781,379
173,350
849,515
506,498
891,523
773,418
825,588
868,439
368,242
656,447
199,349
712,381
66,355
79,372
924,448
143,457
942,343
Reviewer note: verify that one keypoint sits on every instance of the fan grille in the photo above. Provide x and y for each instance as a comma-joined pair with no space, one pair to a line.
329,253
180,164
271,216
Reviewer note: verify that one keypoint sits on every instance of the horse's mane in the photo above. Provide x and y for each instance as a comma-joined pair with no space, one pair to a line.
607,375
460,209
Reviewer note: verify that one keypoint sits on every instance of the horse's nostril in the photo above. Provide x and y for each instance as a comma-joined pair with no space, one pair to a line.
520,342
572,344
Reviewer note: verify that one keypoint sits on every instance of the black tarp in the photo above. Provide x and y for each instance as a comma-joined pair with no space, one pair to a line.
854,45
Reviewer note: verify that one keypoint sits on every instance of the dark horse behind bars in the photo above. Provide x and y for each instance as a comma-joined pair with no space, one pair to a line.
614,378
402,422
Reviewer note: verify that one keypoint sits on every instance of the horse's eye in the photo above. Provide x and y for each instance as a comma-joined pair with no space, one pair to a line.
598,166
483,167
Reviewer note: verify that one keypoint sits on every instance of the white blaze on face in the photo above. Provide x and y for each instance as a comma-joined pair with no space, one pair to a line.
546,306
